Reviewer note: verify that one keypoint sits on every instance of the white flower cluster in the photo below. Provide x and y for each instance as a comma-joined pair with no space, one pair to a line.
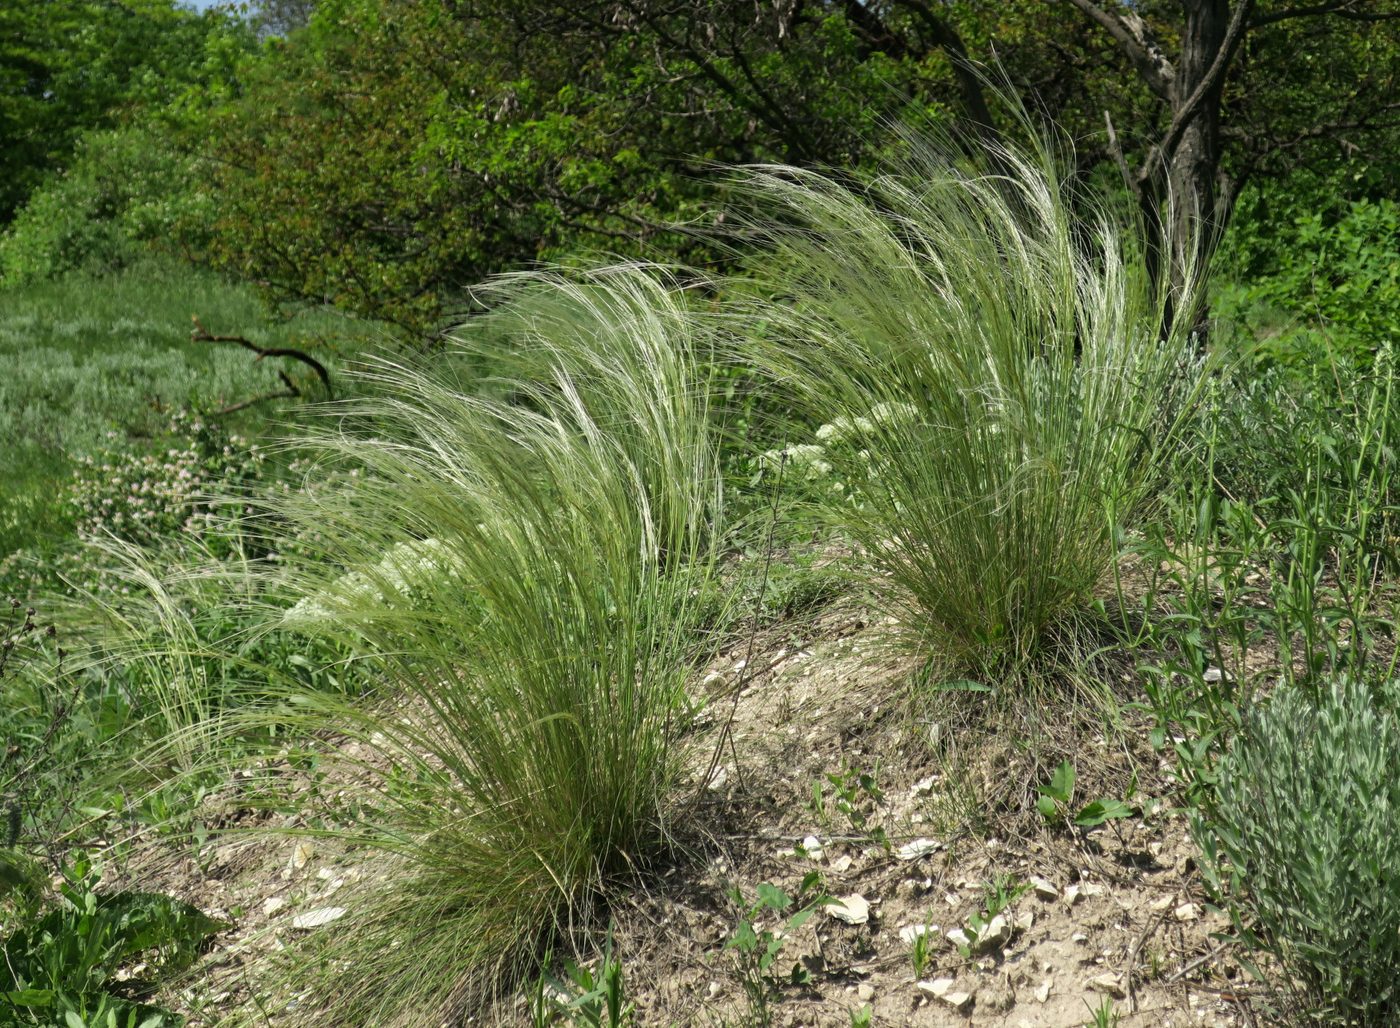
812,461
141,497
405,569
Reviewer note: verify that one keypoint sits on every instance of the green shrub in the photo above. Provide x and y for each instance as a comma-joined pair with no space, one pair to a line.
1306,831
1312,276
123,195
986,361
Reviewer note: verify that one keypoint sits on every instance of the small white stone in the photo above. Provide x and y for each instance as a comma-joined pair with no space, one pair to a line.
1044,889
916,849
1072,894
718,779
1212,674
1091,889
937,987
812,846
302,853
924,786
865,992
715,989
1162,904
852,909
1042,992
272,905
1187,912
994,935
1110,985
318,917
841,864
958,938
911,932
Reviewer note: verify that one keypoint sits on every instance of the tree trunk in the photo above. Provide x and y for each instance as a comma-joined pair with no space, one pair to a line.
1193,166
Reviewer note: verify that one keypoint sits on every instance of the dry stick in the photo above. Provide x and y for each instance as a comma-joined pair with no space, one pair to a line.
200,335
290,393
726,733
1133,955
1186,969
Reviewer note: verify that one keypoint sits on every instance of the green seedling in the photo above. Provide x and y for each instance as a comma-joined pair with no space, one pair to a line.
1105,1015
586,998
1056,802
1001,892
863,1018
756,948
850,793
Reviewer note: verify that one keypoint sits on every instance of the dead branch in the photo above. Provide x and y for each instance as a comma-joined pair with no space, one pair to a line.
200,335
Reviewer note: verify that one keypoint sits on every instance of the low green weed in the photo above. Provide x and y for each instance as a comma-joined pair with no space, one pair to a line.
88,957
585,998
1056,802
755,947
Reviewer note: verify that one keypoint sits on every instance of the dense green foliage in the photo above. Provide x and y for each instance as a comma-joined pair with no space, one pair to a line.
76,65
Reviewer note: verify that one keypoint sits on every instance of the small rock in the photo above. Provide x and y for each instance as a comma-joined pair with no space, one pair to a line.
1187,912
1109,985
911,932
924,786
1042,992
865,992
958,938
302,853
1079,937
715,989
1072,894
1024,920
937,987
317,918
841,864
916,849
852,909
1212,674
272,905
1091,889
1162,904
1045,890
995,935
718,779
812,846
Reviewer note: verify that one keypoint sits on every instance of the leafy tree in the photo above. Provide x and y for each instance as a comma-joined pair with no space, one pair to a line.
67,66
397,151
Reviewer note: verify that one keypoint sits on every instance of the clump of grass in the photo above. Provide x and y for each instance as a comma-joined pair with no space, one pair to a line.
1305,830
995,375
529,569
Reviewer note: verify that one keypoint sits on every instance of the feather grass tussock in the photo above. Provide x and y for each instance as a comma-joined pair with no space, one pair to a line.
995,377
525,575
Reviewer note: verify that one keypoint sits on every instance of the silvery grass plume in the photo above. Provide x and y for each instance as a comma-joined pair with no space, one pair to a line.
992,366
524,573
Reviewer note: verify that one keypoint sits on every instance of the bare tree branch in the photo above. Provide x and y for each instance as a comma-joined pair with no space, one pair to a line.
199,335
1342,9
1131,35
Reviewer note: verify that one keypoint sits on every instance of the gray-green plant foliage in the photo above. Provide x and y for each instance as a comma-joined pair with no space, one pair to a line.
1306,829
